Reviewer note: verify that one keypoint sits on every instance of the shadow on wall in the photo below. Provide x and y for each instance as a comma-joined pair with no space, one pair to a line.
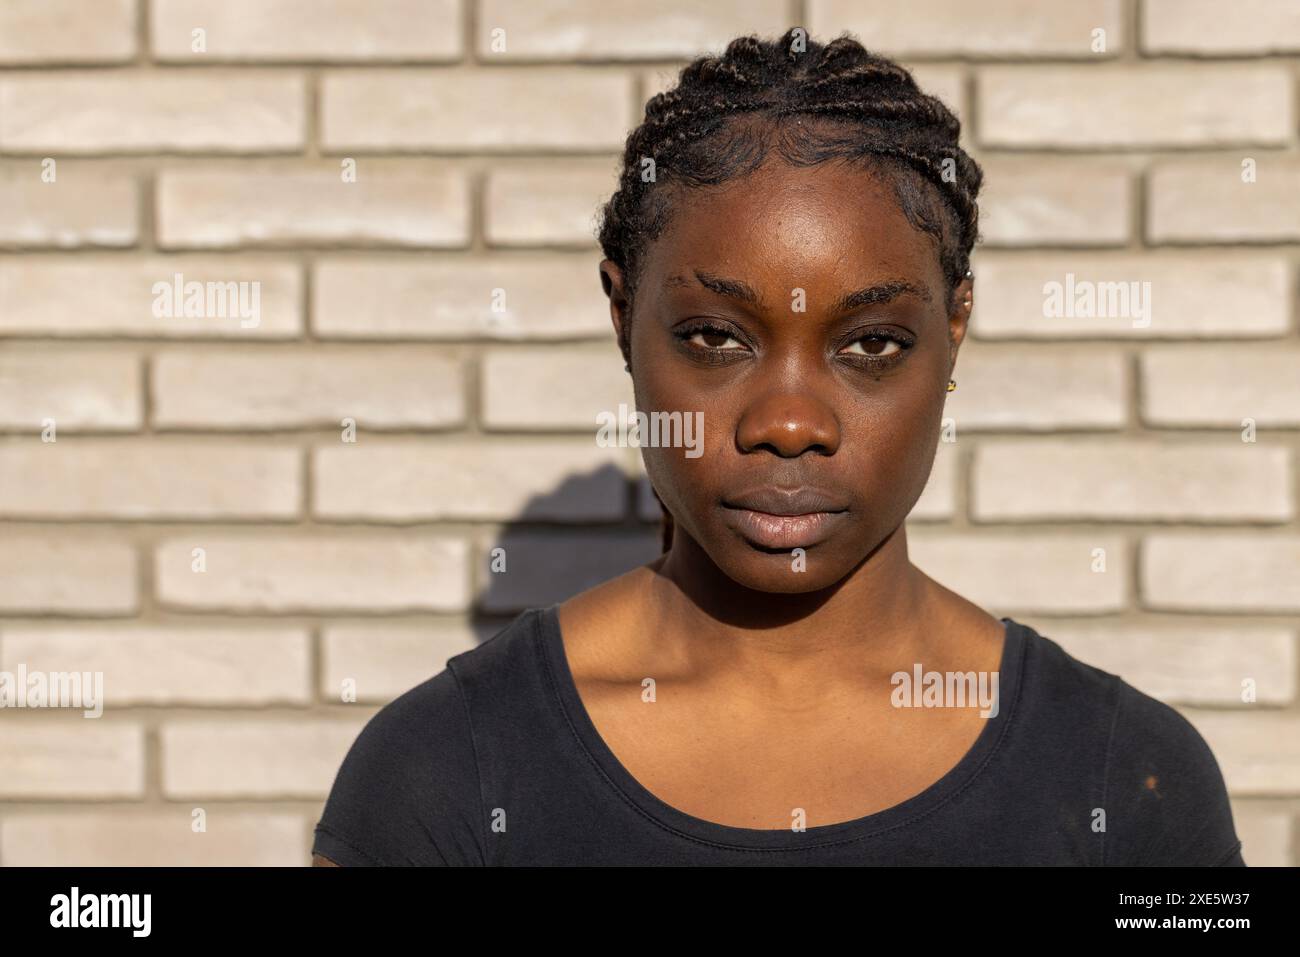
592,527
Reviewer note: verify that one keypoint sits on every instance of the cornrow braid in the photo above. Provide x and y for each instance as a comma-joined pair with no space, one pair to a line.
812,103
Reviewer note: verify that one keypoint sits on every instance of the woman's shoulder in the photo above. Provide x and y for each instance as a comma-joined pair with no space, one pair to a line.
441,699
1166,788
1071,682
493,670
500,667
408,791
1163,799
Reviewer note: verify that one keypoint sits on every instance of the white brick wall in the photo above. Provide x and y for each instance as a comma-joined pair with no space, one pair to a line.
383,169
1147,106
313,572
293,30
992,28
87,210
168,664
49,32
308,206
313,387
179,111
253,757
155,838
46,297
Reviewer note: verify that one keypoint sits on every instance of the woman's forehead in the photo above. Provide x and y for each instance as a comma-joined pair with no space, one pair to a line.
796,228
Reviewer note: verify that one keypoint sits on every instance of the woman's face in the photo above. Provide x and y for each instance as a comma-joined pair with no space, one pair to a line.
801,313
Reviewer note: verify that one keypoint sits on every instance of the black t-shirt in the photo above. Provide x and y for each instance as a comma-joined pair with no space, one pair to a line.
495,761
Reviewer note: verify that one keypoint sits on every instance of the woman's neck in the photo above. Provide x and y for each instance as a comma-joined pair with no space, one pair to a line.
885,611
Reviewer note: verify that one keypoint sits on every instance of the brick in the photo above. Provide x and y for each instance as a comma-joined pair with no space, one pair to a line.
1149,106
1050,574
1210,28
1187,386
443,110
66,31
152,112
172,665
382,661
1223,208
80,758
547,204
66,575
543,297
572,480
994,28
617,29
1258,753
81,208
1189,664
155,838
549,566
372,573
251,758
1050,202
1037,388
1130,480
1229,572
527,389
49,296
313,206
379,388
304,30
149,480
80,389
1265,834
1186,298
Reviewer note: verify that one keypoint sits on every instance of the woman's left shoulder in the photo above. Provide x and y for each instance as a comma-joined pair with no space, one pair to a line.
1166,788
1137,722
1163,795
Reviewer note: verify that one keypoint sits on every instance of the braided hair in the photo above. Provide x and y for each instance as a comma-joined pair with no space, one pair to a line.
812,103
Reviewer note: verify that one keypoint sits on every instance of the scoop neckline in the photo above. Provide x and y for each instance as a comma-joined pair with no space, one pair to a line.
912,809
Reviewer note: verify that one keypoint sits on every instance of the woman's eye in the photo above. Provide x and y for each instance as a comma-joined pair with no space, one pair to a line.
877,347
711,337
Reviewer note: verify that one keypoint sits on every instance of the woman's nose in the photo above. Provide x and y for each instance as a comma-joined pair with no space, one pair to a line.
789,424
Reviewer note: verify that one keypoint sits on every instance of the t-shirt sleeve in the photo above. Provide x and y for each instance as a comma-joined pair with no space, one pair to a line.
1166,802
407,793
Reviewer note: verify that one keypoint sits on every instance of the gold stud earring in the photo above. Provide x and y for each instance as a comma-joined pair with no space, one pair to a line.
952,384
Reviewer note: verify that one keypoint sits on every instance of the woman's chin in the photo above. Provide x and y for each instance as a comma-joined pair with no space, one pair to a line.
786,572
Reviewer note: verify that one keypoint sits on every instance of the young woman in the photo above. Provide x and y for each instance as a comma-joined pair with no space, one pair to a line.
787,254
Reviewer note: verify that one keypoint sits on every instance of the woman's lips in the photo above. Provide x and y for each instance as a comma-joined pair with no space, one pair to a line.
782,531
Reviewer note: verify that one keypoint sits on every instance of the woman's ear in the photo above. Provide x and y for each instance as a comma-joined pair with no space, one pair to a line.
959,312
963,297
960,307
611,280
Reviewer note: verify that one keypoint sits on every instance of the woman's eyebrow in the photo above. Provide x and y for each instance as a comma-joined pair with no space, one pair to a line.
732,288
739,289
881,292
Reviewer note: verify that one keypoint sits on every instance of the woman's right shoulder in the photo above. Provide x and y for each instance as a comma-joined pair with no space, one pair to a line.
436,699
443,700
408,791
